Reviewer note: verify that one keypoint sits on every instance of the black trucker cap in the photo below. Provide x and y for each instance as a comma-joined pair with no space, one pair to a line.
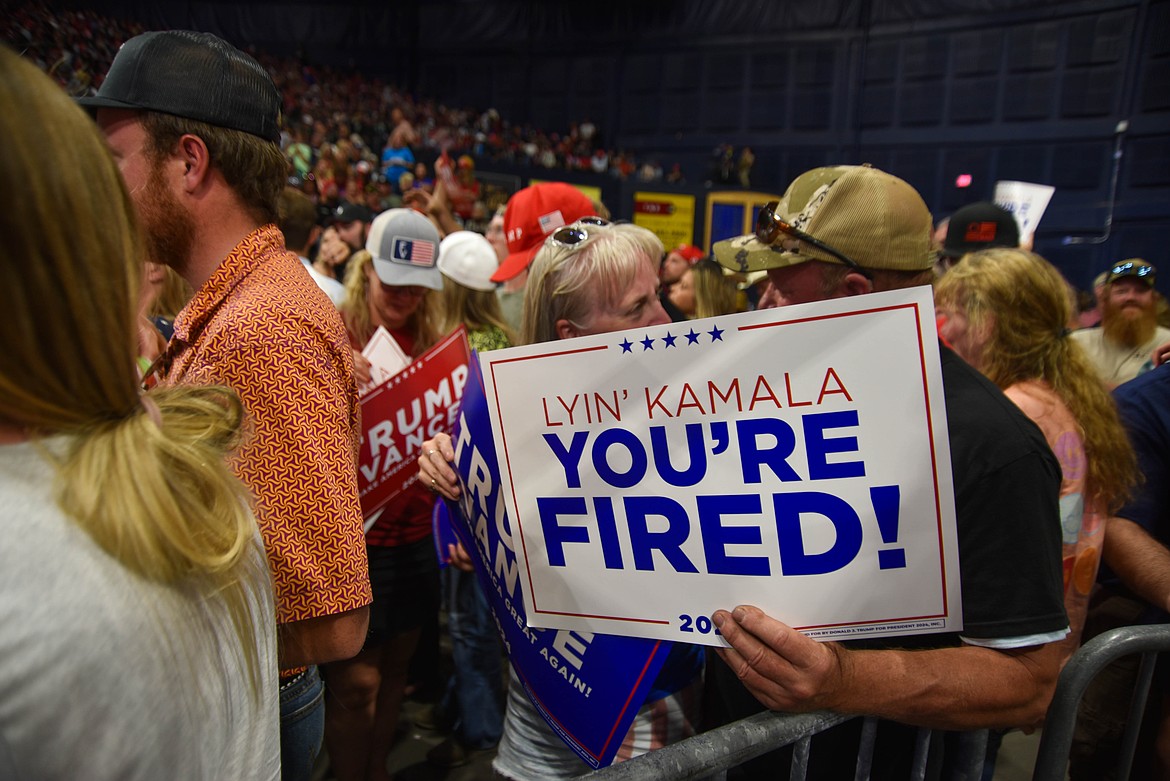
193,75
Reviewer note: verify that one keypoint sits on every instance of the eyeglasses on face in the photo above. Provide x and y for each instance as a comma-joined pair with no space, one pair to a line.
770,226
572,235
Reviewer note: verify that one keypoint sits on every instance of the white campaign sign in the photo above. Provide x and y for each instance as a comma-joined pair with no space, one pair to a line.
1026,201
795,459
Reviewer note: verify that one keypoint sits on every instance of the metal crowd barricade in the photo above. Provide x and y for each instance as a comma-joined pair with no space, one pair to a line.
706,755
1082,668
711,753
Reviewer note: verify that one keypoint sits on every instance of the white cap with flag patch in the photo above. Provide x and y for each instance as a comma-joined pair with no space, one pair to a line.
405,246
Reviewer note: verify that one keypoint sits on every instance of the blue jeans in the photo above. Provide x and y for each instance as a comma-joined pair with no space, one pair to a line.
473,694
302,725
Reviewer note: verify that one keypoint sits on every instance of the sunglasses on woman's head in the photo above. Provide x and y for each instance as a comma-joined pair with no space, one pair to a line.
572,235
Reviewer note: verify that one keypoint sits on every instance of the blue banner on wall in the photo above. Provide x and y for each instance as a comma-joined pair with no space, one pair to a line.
588,687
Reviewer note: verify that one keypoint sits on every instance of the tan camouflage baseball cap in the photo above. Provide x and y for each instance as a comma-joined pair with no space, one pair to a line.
872,217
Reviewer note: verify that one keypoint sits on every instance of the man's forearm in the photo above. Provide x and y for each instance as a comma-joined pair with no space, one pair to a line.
948,688
323,639
1141,562
952,688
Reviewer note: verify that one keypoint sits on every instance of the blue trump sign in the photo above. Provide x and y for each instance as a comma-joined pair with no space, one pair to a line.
587,686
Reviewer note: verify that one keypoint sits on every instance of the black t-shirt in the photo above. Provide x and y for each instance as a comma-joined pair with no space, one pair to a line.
1007,497
1007,488
1007,505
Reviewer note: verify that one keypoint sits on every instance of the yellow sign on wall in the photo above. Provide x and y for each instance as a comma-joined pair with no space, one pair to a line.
589,191
670,216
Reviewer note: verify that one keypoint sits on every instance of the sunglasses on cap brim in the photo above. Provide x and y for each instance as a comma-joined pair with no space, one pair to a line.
770,226
1131,269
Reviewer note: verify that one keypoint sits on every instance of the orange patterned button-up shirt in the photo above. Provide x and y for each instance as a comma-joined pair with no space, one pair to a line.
261,326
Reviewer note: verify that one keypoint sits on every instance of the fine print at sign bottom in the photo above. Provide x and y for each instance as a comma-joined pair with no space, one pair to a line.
795,459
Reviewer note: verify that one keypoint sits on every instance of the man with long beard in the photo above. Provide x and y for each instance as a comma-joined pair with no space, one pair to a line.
194,126
1122,347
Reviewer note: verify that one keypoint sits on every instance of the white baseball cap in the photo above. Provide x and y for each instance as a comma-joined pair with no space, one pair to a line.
469,259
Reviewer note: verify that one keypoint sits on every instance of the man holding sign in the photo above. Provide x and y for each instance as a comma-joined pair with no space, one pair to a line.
847,231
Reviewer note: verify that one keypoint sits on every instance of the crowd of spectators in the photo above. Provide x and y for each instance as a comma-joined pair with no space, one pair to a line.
74,47
340,125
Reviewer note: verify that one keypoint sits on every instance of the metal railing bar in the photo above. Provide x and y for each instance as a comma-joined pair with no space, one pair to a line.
1087,662
730,746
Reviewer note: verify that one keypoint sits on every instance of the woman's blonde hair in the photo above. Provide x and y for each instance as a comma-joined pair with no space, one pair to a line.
355,309
1020,301
476,309
151,488
715,294
563,280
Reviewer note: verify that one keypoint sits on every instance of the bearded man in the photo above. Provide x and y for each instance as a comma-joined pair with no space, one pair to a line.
194,126
1122,347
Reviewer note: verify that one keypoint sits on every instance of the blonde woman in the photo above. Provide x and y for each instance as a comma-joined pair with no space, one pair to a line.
589,277
1006,312
406,311
468,261
139,631
392,283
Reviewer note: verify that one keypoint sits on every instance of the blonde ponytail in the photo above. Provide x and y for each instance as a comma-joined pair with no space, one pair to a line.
160,498
1021,301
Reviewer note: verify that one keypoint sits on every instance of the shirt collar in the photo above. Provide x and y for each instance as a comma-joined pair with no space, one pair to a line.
244,258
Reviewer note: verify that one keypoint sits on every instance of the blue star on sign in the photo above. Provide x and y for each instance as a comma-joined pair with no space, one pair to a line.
716,334
692,337
626,345
647,344
669,339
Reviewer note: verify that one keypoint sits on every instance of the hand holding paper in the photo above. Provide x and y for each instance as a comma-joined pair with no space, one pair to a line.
795,458
402,412
361,371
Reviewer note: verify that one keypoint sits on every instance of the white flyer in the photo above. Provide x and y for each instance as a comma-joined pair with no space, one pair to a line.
1026,201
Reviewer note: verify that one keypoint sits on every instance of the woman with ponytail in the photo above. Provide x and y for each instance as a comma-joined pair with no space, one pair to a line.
136,618
1006,312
